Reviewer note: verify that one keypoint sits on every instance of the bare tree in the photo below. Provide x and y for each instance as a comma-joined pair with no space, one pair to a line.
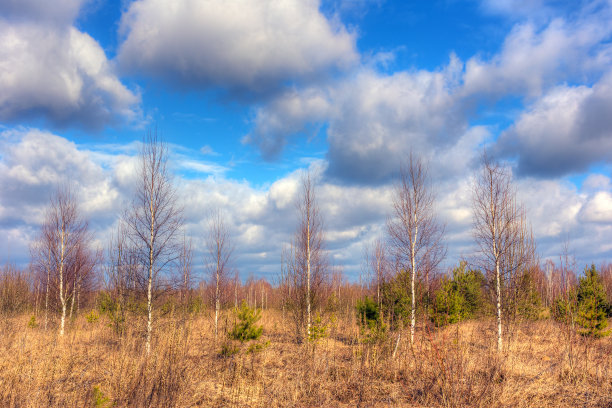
185,269
41,263
376,261
414,231
60,248
236,284
82,270
306,261
124,273
219,253
499,228
521,260
154,217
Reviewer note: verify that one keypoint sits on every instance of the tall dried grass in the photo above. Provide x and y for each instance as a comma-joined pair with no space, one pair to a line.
454,367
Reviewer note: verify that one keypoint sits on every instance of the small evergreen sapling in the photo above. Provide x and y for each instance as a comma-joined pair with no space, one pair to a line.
459,298
32,324
245,331
372,327
592,305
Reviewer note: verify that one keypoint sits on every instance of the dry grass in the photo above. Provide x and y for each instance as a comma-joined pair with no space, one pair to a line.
455,367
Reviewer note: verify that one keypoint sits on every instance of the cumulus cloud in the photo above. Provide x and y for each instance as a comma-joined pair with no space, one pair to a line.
50,69
262,220
567,130
292,112
598,209
35,162
58,11
237,45
373,120
534,58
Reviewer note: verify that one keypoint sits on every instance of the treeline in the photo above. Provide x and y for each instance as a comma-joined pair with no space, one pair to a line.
465,293
459,294
145,270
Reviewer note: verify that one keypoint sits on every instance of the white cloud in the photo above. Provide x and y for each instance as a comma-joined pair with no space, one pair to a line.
566,130
236,44
262,220
288,114
374,120
58,11
35,162
208,151
552,205
598,209
533,59
59,73
595,182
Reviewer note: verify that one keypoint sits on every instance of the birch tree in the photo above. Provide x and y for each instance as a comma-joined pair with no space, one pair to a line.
498,228
185,269
41,261
63,237
124,273
154,218
376,262
415,233
219,253
306,262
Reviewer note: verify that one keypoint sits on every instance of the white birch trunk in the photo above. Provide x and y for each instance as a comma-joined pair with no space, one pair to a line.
499,310
217,305
72,299
47,300
308,272
150,283
412,295
61,282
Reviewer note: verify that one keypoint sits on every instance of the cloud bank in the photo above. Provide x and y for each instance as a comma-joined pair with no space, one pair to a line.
239,45
51,70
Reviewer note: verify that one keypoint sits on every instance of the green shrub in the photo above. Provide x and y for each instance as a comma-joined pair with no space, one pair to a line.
368,313
318,329
32,324
396,300
246,328
92,317
228,349
459,298
564,308
372,328
99,399
195,305
527,299
246,331
592,305
113,310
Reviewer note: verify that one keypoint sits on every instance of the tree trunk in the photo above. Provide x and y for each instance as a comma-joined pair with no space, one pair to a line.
47,301
78,297
308,273
412,294
149,308
150,285
61,284
217,305
499,310
72,299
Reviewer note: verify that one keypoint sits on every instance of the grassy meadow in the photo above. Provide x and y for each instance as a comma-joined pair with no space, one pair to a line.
456,366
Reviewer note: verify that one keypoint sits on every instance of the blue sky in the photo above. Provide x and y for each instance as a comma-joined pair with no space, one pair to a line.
249,94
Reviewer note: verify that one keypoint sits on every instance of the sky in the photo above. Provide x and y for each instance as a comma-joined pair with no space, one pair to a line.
250,94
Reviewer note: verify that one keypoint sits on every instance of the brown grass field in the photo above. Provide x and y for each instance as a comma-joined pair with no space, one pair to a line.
456,367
